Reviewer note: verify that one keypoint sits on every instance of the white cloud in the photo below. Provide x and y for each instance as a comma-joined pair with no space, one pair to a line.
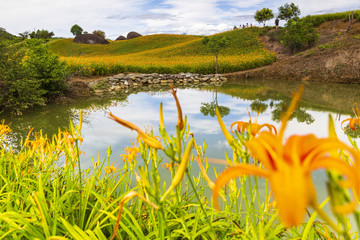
118,17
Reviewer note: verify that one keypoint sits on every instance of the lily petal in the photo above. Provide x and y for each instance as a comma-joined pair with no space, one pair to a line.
234,172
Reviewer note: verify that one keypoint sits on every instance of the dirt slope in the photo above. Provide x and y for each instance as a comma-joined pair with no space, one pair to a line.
335,58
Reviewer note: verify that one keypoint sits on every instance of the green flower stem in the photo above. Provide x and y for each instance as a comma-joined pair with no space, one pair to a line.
199,200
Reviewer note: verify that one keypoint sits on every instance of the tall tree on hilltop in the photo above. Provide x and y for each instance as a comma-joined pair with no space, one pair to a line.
264,15
289,11
76,30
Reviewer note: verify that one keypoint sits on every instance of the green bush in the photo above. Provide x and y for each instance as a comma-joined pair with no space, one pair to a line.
17,91
45,67
30,76
298,35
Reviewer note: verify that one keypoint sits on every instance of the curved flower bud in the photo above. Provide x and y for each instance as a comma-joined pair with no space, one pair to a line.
181,170
151,141
180,122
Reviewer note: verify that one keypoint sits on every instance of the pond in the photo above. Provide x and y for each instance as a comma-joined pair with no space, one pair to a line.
234,98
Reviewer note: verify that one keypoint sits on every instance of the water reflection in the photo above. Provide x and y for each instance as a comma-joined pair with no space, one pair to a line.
299,114
257,106
209,108
234,99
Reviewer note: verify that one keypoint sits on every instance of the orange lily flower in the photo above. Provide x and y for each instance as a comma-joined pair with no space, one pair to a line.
353,121
131,154
110,169
254,127
288,168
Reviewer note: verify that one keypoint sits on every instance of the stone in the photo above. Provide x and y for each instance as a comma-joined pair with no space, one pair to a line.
132,35
90,39
119,38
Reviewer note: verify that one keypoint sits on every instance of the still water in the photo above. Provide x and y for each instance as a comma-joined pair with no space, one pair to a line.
234,98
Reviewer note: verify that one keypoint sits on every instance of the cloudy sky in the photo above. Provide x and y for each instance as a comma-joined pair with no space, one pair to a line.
118,17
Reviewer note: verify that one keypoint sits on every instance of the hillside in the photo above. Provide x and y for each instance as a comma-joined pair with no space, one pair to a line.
334,58
164,53
67,47
6,36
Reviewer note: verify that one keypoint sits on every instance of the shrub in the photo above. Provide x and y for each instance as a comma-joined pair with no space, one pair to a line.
46,67
18,91
99,33
298,35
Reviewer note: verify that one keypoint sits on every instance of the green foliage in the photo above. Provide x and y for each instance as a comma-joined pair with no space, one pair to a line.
263,15
18,91
298,35
258,107
317,20
99,33
289,11
41,34
299,114
30,76
215,44
45,67
76,30
5,36
24,35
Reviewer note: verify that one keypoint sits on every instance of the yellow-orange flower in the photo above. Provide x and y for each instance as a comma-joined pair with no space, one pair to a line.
288,168
110,169
252,126
353,121
131,154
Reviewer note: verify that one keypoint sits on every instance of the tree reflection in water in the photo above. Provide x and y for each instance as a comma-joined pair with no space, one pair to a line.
209,108
299,114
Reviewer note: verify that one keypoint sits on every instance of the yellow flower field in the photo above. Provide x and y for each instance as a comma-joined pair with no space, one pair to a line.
165,53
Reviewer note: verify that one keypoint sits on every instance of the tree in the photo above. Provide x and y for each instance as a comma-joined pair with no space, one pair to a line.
41,34
289,11
99,33
18,91
24,35
264,15
76,30
215,44
45,67
298,35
